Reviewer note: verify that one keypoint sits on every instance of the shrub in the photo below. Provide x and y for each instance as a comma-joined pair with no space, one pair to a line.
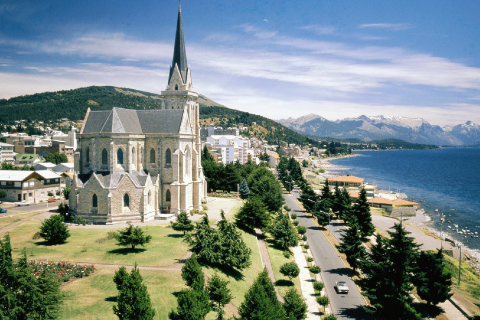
57,193
50,194
295,223
323,301
204,207
315,269
54,230
301,230
304,238
63,271
290,270
318,286
294,216
132,236
306,246
286,254
204,200
287,208
309,259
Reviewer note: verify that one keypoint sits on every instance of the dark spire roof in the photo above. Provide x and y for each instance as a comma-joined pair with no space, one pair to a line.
179,54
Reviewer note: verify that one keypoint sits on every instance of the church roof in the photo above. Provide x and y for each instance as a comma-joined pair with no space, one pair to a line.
179,53
119,120
112,179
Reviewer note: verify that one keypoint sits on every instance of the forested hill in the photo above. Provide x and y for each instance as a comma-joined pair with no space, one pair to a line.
73,104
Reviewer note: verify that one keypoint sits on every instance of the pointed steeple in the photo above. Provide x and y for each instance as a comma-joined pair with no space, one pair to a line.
179,54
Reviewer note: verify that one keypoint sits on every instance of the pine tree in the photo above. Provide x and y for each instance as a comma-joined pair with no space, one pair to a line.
132,236
337,201
284,232
352,245
243,190
432,279
362,213
323,217
234,253
219,294
54,230
294,306
192,273
346,206
327,195
261,301
133,300
253,214
183,223
308,198
205,242
192,305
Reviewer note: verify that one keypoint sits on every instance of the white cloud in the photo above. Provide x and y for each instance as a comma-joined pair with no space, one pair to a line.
320,30
391,26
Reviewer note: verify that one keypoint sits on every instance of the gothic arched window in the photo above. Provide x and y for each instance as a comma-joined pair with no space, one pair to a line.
168,157
87,155
149,197
152,156
176,87
94,201
126,201
168,196
104,156
120,156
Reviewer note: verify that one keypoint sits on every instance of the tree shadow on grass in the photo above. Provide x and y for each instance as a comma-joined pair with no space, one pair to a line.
284,283
125,251
48,244
175,235
228,271
111,299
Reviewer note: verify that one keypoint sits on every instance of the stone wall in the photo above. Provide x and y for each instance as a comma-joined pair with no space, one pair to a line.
406,211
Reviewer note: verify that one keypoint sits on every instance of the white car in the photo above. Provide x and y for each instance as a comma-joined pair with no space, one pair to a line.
341,287
21,204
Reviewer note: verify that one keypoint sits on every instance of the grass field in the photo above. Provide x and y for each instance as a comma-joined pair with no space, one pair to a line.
92,246
93,297
4,222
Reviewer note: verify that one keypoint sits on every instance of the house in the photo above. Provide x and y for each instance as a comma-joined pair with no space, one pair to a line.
346,181
22,159
6,152
397,207
29,186
44,166
273,160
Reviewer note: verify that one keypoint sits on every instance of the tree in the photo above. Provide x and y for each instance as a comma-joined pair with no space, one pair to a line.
133,300
54,230
263,184
304,163
323,217
234,252
192,273
352,245
192,305
243,190
132,236
205,241
261,301
362,213
323,301
294,306
3,194
432,279
219,294
66,192
56,158
284,232
253,215
183,223
290,270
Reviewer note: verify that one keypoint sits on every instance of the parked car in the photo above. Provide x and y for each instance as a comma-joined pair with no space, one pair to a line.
341,287
3,210
21,204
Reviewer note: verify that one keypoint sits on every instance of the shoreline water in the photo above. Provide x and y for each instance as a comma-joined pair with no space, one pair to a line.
422,221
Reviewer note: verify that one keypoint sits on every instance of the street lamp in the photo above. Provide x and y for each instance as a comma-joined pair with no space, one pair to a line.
459,263
442,220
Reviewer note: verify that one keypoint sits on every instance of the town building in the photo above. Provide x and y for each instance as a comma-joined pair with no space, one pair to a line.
6,152
29,186
134,165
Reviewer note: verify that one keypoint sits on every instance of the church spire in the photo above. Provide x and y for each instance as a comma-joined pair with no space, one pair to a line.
179,54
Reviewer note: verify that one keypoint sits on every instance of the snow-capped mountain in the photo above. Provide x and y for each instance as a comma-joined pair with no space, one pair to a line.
367,128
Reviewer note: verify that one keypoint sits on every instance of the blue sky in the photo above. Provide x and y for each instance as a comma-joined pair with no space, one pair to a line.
280,59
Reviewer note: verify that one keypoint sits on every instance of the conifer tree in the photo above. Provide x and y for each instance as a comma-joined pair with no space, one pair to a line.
432,279
219,294
361,211
183,223
133,300
337,200
346,206
192,273
294,306
205,241
243,190
192,305
132,236
284,232
253,214
327,194
234,252
54,230
352,245
261,301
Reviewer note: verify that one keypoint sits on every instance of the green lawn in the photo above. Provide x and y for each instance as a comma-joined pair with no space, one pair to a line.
92,246
93,297
278,259
4,222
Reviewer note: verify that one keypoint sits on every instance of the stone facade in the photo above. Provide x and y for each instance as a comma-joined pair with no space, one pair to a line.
133,165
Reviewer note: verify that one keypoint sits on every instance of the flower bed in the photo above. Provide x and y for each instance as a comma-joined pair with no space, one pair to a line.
64,271
223,194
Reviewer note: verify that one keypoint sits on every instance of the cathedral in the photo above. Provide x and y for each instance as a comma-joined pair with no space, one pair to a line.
134,165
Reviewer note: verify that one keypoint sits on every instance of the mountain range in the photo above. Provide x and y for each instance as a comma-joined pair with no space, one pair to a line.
414,130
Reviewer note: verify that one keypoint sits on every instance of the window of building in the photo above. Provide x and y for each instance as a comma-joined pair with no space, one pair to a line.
149,197
120,156
94,201
168,196
176,87
30,194
4,183
31,183
126,201
87,155
25,184
104,156
152,156
168,157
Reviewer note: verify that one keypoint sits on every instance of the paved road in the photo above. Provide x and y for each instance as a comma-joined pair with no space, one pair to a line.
344,306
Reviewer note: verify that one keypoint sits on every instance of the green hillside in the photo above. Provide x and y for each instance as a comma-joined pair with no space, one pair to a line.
73,104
